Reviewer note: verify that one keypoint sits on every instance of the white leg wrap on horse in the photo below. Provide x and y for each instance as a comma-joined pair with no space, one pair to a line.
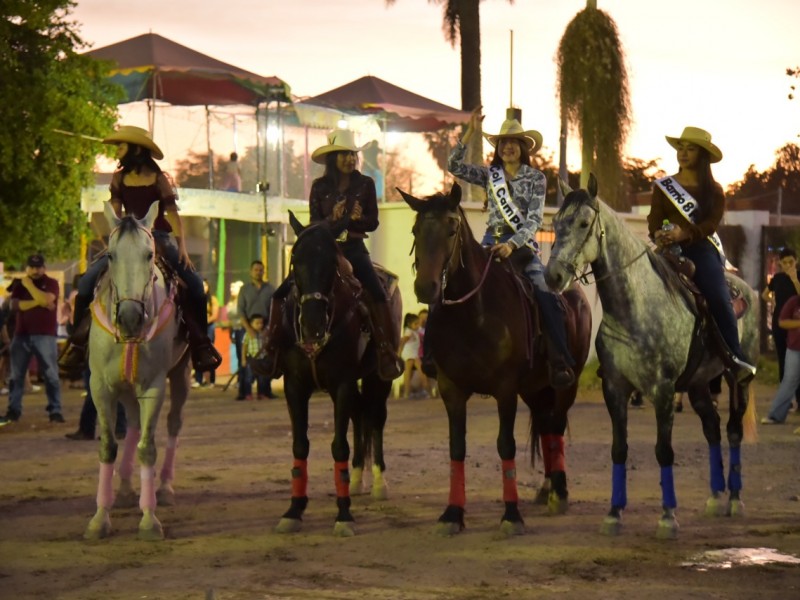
168,468
147,495
377,477
129,453
105,486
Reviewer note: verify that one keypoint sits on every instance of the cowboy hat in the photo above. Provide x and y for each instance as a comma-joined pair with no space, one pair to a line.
511,128
339,140
135,135
699,137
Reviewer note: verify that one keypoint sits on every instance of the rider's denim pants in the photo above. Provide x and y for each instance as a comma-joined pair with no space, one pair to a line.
45,349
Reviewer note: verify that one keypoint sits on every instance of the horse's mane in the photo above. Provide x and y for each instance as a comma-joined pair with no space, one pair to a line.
128,224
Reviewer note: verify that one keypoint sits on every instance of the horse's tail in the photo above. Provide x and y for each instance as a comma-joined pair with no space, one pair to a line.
750,432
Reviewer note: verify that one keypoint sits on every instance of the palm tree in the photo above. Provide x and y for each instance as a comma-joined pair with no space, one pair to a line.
593,89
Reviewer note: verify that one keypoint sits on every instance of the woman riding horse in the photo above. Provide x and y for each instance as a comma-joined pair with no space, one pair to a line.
135,186
517,191
345,193
694,205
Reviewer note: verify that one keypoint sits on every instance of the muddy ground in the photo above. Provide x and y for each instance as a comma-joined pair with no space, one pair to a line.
233,485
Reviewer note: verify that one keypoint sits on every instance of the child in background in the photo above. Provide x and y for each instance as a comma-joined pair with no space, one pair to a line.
409,352
251,347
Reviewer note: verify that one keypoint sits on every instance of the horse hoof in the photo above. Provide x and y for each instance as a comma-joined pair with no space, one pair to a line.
165,497
447,529
380,492
288,525
735,508
343,529
556,505
126,500
611,526
714,508
98,529
667,529
150,529
542,496
511,528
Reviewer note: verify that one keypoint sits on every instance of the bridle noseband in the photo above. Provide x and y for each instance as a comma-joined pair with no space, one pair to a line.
143,301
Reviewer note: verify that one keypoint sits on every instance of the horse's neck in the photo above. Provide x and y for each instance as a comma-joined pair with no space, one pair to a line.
465,276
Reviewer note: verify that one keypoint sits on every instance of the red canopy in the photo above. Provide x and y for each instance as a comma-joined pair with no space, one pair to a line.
150,66
403,110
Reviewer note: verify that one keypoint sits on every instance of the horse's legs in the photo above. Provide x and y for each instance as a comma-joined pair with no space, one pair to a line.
150,404
616,391
344,399
739,399
455,402
511,523
359,419
297,395
700,397
100,524
374,395
663,402
179,391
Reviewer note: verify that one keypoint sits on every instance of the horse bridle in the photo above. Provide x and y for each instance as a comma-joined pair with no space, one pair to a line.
147,292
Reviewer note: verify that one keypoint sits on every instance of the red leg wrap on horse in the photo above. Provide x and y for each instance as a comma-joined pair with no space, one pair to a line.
547,456
341,476
458,495
555,443
299,478
510,481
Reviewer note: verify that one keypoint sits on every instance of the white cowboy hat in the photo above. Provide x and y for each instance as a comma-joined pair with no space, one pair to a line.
699,137
511,128
339,140
135,135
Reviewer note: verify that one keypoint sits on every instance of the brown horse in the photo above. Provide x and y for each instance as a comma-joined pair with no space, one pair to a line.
484,339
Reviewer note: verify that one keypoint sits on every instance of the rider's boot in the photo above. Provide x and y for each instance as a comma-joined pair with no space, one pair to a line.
559,360
72,362
204,355
742,371
387,340
266,363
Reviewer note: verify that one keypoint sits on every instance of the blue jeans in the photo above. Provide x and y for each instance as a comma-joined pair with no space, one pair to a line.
782,402
246,380
46,351
212,377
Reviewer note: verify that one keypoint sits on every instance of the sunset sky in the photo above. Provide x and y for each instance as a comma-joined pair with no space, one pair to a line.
716,64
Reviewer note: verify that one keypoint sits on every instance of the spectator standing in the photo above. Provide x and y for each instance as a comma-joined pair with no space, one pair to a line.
234,326
35,299
254,299
789,319
783,285
232,178
252,347
410,348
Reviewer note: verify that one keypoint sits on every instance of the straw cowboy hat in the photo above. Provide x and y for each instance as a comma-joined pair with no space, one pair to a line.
135,135
339,140
699,137
511,128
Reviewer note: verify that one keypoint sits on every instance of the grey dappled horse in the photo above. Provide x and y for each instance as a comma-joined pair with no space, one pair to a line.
134,346
644,344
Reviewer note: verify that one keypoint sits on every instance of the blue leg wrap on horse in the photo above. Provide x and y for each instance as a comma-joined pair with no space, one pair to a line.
668,499
716,469
619,494
735,473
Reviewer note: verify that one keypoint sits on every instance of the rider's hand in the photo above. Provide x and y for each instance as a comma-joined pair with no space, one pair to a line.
338,210
503,250
183,257
357,211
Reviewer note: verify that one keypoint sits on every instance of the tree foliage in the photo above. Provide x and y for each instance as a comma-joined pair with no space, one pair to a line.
47,86
783,174
593,90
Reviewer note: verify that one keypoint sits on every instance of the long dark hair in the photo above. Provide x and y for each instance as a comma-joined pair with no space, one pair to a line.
524,155
707,183
137,157
332,176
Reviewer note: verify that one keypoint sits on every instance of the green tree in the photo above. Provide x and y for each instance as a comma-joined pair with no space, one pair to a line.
593,90
47,86
784,174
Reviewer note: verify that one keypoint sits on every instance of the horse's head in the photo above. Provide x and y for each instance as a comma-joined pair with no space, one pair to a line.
315,258
579,235
131,267
438,231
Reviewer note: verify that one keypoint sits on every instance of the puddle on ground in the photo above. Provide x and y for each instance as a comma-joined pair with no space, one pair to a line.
729,558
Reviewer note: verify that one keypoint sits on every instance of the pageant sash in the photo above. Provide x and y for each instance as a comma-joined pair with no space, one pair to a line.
687,206
502,198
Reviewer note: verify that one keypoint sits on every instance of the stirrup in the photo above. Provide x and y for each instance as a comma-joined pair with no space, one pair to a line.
743,372
205,357
72,362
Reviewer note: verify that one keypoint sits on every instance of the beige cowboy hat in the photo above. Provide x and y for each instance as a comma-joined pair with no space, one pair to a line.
511,128
135,135
699,137
339,140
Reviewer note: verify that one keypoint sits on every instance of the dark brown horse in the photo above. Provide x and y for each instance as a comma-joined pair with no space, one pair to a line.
324,346
484,340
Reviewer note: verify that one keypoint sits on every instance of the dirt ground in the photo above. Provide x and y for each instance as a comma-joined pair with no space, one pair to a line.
232,486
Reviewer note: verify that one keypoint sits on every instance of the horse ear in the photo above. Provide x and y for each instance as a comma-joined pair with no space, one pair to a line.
564,186
150,217
592,186
455,196
415,203
111,216
296,225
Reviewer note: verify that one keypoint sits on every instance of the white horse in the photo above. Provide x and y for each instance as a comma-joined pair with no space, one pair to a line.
134,346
